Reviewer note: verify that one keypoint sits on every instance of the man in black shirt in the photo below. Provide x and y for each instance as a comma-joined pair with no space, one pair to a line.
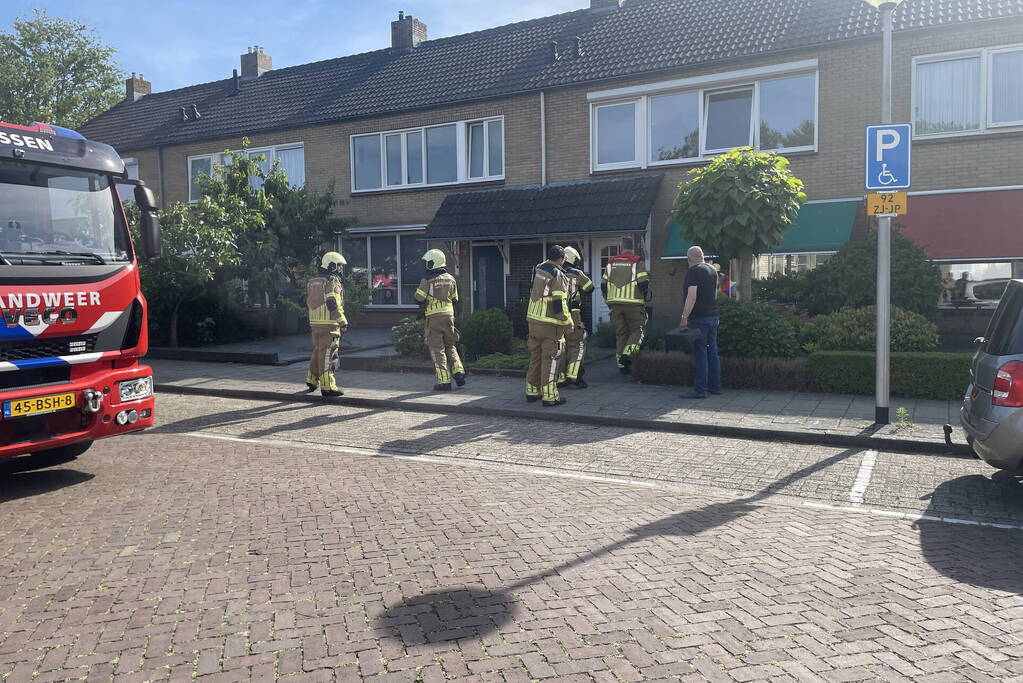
701,313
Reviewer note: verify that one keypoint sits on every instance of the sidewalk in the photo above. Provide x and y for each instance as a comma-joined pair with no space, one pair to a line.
611,400
292,348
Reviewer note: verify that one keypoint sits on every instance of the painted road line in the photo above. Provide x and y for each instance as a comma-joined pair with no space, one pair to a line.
910,516
859,487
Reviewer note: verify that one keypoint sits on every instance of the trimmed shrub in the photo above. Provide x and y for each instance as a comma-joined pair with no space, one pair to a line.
849,278
783,288
604,336
673,367
855,329
501,361
409,338
941,376
486,332
753,330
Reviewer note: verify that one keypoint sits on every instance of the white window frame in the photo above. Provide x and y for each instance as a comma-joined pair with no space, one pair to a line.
649,151
986,55
752,133
703,86
461,152
218,158
485,123
368,233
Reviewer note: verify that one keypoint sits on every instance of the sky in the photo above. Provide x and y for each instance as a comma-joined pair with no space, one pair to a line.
175,43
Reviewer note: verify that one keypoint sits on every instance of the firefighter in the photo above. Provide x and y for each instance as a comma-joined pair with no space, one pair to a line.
437,296
548,317
579,285
325,300
625,286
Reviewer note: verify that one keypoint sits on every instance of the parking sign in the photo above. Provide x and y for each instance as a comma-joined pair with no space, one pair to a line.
889,156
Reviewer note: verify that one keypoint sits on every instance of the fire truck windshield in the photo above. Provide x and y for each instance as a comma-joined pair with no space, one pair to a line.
51,215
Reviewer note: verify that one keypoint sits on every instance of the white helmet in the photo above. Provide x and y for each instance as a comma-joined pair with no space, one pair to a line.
435,259
332,258
572,256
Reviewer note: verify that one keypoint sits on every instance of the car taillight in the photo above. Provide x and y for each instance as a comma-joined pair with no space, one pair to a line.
1008,389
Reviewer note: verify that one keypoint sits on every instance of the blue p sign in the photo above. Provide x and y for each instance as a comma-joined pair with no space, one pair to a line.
889,156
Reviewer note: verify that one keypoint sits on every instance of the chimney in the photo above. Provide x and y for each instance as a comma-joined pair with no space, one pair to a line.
255,62
605,4
407,32
136,87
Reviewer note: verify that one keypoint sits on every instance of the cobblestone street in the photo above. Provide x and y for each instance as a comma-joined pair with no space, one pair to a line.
246,540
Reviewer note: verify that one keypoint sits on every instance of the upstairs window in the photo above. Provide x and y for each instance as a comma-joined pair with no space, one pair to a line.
290,156
968,92
665,127
464,151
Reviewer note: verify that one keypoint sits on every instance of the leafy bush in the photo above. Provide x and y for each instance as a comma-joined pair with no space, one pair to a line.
849,278
516,311
501,361
778,374
604,336
940,376
855,329
754,330
486,332
409,338
783,288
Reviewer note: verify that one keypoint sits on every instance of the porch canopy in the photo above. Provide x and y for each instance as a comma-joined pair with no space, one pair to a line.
966,226
608,205
820,227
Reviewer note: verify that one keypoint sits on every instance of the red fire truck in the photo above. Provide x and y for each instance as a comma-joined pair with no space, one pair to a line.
72,315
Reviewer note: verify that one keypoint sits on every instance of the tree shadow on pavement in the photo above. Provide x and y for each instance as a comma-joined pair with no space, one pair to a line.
465,612
229,417
984,556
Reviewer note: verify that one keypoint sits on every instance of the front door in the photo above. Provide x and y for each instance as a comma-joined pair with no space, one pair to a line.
487,278
602,250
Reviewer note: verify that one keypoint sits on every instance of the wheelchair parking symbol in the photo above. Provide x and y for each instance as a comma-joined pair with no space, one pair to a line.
888,158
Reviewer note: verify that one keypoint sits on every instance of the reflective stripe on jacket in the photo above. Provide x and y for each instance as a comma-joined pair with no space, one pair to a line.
440,294
548,299
323,294
623,276
579,283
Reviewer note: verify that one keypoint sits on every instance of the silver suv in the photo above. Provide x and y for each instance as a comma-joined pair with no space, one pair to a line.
992,413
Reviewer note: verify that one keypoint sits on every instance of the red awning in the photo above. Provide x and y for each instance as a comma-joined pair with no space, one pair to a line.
966,226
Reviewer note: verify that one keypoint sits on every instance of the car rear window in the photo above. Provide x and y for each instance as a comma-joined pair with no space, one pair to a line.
1005,333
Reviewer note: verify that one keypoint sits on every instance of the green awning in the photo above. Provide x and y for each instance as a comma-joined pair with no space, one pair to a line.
820,226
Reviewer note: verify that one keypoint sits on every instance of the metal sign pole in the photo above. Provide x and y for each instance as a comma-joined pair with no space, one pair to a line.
884,247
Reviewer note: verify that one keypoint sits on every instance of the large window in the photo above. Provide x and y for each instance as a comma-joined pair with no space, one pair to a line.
464,151
291,158
775,112
968,92
390,264
976,284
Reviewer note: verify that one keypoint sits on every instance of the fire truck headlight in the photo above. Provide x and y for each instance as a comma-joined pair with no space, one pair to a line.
135,389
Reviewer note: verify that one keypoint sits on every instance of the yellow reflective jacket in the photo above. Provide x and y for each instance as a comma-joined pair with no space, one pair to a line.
440,293
625,280
325,301
579,283
548,299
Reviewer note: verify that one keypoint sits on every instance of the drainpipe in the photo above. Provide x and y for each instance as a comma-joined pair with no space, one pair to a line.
543,140
159,172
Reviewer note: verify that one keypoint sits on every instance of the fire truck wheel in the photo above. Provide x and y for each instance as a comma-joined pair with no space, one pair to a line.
55,456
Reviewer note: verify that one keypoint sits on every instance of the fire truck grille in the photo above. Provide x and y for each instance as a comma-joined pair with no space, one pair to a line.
46,348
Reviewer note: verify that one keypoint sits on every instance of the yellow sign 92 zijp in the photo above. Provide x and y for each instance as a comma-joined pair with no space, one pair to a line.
887,203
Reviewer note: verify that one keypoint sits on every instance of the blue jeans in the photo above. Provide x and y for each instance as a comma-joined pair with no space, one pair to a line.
706,364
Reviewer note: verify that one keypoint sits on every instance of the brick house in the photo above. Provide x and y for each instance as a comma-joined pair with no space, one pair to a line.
577,128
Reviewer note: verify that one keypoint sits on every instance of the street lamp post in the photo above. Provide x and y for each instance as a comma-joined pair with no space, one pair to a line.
884,235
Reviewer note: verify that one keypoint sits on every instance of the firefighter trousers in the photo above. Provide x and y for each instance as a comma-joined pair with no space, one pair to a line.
546,344
441,337
326,349
629,321
575,348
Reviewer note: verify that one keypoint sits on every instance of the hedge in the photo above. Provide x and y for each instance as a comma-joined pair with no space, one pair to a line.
913,375
672,367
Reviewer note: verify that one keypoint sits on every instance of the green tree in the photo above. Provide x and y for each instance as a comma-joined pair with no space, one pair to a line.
739,206
56,71
849,278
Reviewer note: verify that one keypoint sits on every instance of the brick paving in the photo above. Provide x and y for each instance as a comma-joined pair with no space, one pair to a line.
612,395
169,556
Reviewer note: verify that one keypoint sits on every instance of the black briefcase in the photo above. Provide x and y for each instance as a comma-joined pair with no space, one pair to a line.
683,340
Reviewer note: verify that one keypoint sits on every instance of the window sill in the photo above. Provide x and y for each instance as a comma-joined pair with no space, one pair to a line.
429,188
654,165
996,130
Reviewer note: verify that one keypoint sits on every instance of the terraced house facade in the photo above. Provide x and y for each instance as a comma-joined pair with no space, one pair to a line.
577,129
